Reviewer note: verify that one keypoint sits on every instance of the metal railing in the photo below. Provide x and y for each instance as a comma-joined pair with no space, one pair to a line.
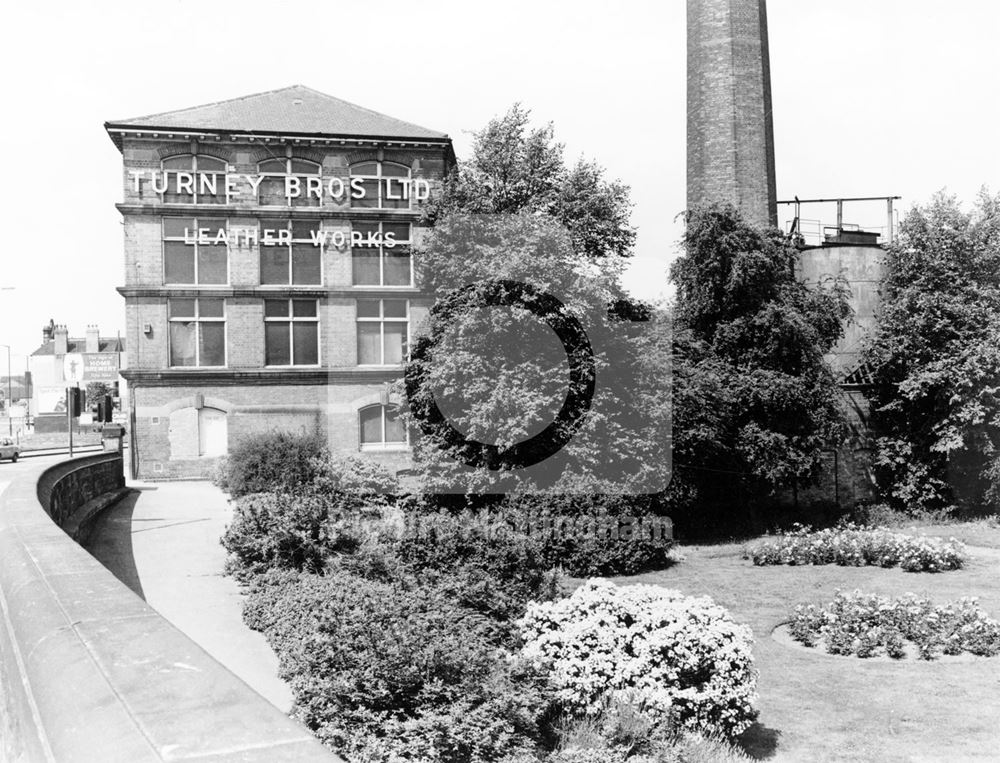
816,232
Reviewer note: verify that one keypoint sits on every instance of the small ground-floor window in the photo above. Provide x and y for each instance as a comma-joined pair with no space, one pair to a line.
381,428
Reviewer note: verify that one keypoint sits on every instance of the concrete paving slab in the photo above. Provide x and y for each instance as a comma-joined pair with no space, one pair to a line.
164,544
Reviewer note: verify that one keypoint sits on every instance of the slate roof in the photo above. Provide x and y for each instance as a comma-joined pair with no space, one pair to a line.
105,344
295,110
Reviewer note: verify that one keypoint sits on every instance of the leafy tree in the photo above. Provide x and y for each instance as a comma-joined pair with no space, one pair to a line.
515,169
754,401
96,390
500,375
935,359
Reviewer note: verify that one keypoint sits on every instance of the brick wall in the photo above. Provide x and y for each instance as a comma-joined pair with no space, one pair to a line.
730,137
168,432
167,422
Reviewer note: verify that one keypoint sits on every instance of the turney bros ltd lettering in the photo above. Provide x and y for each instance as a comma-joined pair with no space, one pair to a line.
400,189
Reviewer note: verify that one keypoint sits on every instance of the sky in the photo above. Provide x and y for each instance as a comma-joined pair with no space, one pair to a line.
870,97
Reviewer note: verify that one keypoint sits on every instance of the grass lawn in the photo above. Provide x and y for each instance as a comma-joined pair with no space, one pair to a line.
819,707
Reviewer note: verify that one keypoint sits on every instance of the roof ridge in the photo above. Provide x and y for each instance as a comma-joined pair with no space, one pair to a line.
213,103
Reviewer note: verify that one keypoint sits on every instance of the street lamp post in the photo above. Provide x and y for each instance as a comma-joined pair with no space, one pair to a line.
10,393
10,420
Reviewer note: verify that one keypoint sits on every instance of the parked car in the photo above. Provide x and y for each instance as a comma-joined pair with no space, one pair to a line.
9,450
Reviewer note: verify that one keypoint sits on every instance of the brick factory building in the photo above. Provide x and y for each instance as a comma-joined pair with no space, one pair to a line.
268,279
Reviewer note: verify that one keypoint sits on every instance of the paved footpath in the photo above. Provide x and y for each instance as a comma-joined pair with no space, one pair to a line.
163,542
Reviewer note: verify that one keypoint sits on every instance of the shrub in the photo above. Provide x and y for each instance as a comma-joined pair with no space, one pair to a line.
866,625
300,530
382,669
853,546
592,534
272,462
683,659
281,531
485,563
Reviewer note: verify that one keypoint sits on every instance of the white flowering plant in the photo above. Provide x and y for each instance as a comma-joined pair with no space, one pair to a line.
867,625
682,660
851,545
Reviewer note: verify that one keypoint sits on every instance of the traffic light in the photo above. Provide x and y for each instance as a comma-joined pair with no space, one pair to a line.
75,401
105,410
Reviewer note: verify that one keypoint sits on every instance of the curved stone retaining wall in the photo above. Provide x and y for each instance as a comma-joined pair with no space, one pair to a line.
88,671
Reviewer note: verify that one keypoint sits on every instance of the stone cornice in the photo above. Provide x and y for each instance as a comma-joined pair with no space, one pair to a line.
268,292
295,213
233,377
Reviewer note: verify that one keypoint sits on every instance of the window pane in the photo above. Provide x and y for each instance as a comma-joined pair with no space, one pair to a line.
366,230
272,165
368,168
182,343
366,268
276,348
273,225
304,308
394,308
370,198
212,226
371,425
213,344
300,166
369,344
394,429
181,308
273,265
395,342
306,337
173,227
211,308
397,268
304,199
305,264
368,308
209,193
275,308
173,195
394,170
211,164
272,192
185,162
393,193
304,229
178,262
399,231
212,264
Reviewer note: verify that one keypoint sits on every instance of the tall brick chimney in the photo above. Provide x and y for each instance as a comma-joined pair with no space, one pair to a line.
61,336
730,134
93,339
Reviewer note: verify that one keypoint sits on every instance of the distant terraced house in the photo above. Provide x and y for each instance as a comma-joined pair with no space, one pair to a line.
269,282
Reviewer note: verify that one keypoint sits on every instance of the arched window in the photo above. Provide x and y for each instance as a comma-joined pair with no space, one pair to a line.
193,179
290,183
381,429
386,185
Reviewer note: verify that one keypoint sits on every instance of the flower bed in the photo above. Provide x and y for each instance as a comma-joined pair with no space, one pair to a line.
682,659
853,546
866,625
